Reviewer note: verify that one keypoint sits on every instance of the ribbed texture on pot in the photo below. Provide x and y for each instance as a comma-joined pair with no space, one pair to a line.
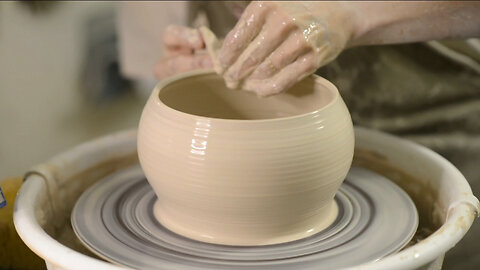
242,182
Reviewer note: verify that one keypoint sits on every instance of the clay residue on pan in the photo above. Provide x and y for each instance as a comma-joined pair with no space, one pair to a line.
87,178
79,183
423,195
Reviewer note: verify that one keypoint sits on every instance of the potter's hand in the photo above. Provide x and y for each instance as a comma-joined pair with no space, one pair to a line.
184,51
276,44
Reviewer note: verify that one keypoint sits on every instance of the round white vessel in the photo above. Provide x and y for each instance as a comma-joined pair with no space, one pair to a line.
231,168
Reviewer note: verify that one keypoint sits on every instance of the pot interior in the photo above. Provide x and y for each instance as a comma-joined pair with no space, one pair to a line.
207,95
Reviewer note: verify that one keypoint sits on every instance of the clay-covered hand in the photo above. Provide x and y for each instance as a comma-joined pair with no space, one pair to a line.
276,44
184,51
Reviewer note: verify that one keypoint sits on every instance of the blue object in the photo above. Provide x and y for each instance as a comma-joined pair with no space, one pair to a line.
3,202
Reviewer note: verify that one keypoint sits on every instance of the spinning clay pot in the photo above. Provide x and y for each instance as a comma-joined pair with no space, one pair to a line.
231,168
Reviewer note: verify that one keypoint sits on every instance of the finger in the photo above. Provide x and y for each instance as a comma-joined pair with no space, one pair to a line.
274,32
182,63
286,78
285,54
171,52
246,29
177,36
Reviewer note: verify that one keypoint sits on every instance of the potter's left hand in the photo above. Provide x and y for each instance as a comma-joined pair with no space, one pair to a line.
276,44
184,51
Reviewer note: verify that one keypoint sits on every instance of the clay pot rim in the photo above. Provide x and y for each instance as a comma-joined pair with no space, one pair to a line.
317,79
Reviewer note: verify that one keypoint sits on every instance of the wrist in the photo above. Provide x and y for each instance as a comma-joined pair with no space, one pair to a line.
362,23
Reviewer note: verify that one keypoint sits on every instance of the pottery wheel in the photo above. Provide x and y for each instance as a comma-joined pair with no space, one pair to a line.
114,218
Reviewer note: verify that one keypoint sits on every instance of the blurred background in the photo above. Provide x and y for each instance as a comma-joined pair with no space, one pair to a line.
59,80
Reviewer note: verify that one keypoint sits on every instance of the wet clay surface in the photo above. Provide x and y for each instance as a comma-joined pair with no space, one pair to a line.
237,175
80,182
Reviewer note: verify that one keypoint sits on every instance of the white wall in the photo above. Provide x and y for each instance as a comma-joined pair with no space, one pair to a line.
41,110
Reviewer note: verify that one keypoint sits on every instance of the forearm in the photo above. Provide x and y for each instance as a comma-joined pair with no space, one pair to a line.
403,22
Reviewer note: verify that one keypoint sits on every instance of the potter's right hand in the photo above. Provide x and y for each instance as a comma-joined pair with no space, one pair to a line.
275,43
184,51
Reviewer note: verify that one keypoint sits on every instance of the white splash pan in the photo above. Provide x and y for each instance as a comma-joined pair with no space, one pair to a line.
50,190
